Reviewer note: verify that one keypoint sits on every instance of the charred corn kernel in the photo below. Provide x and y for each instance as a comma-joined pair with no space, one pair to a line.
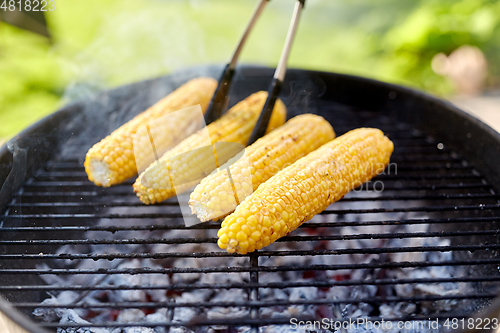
191,160
112,160
330,171
263,159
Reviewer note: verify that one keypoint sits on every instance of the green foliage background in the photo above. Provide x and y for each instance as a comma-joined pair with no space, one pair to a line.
97,44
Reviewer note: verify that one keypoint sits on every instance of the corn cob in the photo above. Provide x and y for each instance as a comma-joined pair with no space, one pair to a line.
192,159
304,189
214,197
112,161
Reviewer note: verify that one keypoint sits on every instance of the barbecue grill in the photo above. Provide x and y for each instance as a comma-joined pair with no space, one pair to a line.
437,211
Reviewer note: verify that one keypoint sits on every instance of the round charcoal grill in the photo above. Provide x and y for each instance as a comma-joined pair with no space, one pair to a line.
419,242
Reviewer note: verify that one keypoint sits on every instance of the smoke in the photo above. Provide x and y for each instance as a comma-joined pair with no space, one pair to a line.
134,45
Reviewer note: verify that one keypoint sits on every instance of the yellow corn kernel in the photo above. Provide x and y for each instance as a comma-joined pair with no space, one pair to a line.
262,160
330,171
191,159
118,146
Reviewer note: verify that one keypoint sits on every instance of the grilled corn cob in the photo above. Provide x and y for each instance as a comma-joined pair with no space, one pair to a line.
304,189
214,196
112,161
192,159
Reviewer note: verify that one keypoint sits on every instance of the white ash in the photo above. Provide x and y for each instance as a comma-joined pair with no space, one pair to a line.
186,314
186,277
157,317
180,329
219,312
69,316
130,315
271,293
51,314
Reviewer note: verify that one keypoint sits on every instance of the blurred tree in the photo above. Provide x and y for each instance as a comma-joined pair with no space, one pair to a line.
441,27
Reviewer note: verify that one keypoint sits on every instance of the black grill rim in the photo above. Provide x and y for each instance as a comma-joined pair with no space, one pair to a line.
463,133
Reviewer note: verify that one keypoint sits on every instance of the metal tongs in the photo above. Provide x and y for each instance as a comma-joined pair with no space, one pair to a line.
220,99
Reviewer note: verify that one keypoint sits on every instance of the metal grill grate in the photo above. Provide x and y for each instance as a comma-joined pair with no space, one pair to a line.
46,228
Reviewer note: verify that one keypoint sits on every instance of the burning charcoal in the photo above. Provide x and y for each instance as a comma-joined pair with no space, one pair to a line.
181,248
223,277
271,293
51,314
356,310
156,295
126,279
225,313
434,289
180,330
361,243
302,294
49,278
386,311
130,315
186,314
90,279
289,275
47,315
237,261
406,308
157,317
71,317
232,295
186,277
282,329
183,315
401,309
138,329
105,316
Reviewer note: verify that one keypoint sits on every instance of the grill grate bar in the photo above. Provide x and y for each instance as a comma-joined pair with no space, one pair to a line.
215,225
427,176
132,271
398,176
251,285
49,194
326,212
173,204
213,240
254,303
111,256
127,191
425,158
458,163
458,166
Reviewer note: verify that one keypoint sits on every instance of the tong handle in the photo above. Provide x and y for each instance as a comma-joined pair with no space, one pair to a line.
221,96
219,101
279,77
261,126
